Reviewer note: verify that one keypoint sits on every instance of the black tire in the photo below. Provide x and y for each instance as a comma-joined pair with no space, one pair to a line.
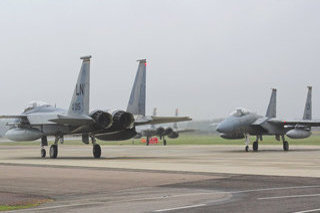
247,148
255,146
285,146
43,153
96,151
53,151
164,142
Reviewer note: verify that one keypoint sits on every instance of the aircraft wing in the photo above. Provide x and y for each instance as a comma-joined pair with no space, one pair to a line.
13,116
36,119
23,119
185,130
73,120
159,120
295,122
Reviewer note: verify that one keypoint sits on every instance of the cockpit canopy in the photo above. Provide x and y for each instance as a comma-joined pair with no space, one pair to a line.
34,104
240,112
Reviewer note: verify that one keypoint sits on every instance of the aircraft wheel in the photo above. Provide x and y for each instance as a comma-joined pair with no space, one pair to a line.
247,148
43,153
255,146
285,146
53,151
164,142
96,151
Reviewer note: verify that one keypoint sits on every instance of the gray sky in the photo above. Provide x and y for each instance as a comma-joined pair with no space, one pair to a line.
205,57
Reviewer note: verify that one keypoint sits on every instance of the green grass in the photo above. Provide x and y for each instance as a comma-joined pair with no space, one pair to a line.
191,139
10,208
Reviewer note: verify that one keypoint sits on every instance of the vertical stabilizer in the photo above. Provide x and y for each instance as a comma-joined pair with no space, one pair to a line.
80,100
175,125
307,115
154,111
137,101
272,108
154,114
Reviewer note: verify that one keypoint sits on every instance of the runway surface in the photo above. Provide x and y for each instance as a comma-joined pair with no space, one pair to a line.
165,179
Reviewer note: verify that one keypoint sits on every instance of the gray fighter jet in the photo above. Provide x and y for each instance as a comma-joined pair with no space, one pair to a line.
40,120
161,132
243,123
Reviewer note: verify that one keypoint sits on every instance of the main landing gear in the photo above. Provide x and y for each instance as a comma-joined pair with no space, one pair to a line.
285,144
255,145
54,147
53,151
164,141
96,149
148,141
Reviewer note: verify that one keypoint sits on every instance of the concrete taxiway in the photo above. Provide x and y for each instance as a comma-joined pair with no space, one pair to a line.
165,179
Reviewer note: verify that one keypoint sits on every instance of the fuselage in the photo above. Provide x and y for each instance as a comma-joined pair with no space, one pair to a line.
237,124
242,122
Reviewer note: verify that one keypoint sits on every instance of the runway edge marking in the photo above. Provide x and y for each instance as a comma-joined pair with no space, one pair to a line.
182,207
308,211
291,196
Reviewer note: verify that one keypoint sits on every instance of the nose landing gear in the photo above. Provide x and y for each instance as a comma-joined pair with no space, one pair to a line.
43,143
247,142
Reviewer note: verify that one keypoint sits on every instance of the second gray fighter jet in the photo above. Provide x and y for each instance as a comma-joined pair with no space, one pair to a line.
242,123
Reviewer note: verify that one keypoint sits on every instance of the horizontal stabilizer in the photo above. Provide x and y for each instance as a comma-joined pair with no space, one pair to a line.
185,130
13,116
160,120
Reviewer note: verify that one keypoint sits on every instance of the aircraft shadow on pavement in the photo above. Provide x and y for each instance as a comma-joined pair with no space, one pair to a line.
273,150
91,158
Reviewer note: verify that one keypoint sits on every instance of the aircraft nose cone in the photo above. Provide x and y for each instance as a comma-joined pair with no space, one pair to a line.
219,128
224,127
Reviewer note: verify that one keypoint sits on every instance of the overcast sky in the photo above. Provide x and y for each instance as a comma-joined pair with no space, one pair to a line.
205,57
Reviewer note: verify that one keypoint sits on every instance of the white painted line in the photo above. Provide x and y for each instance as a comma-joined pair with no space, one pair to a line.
231,192
55,207
279,188
308,211
182,207
169,196
291,196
